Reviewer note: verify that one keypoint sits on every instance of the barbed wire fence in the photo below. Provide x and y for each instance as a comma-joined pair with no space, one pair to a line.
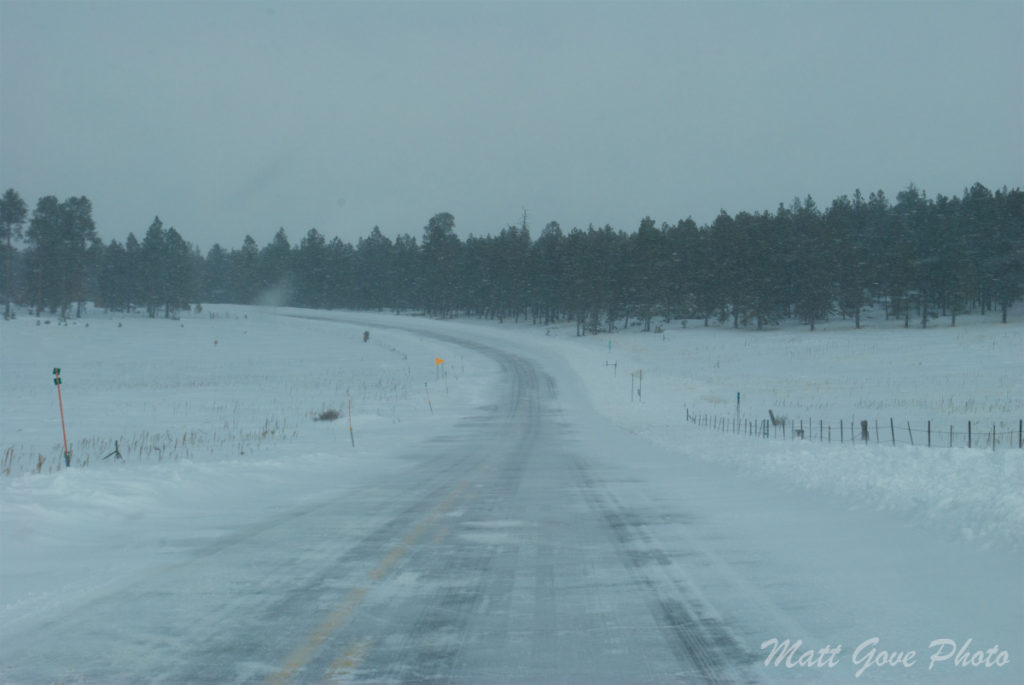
973,435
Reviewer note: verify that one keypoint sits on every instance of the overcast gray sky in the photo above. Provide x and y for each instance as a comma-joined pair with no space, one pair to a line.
228,118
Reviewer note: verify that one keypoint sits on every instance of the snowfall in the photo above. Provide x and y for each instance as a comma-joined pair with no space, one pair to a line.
182,430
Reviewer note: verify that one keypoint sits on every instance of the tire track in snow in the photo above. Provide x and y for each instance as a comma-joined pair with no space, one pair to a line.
694,629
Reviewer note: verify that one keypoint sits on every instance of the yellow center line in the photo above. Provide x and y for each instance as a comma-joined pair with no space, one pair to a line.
302,654
350,660
395,554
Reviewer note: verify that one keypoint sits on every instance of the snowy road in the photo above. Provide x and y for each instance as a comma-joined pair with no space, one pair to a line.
496,555
522,547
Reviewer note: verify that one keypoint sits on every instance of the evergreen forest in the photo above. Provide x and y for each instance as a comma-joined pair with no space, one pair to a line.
916,257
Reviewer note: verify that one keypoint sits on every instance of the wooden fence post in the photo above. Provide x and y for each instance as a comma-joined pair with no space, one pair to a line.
892,430
910,433
929,432
968,434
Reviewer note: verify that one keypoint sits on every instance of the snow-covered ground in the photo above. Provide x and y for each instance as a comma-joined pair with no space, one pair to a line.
214,415
229,383
835,375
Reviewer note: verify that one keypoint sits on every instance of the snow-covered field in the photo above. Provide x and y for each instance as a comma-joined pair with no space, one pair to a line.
215,416
948,376
229,383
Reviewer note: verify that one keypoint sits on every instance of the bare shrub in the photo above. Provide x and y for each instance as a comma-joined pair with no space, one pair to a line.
328,415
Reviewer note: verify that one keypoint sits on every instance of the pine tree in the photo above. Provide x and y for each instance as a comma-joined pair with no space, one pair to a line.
12,217
845,221
374,271
547,268
59,236
1007,265
952,255
217,280
180,274
135,284
509,257
245,267
761,256
115,278
440,249
814,283
153,269
311,270
78,239
407,274
339,284
276,270
646,271
681,245
477,268
730,273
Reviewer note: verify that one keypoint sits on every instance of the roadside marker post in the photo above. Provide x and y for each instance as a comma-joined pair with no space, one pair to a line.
441,370
60,403
351,434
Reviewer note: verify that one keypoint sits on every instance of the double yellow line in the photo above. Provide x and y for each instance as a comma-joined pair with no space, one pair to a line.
351,657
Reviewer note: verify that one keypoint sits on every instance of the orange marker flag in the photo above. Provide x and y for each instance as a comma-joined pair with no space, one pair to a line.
438,360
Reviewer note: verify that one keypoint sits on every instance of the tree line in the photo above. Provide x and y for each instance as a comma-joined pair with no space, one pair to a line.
917,257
